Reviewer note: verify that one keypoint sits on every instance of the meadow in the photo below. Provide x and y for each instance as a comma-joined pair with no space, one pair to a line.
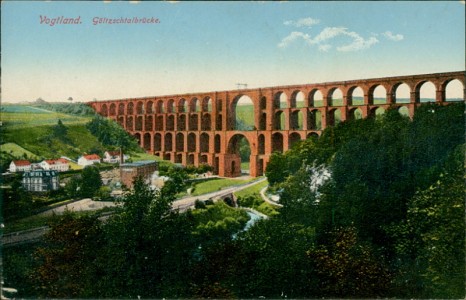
16,116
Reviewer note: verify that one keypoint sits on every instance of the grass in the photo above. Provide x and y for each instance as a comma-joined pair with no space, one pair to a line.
255,189
250,197
215,184
23,119
17,151
34,139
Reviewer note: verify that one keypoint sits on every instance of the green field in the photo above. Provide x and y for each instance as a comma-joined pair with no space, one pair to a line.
21,116
17,151
36,139
216,184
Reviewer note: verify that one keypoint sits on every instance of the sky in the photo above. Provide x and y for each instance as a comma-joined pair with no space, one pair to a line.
189,47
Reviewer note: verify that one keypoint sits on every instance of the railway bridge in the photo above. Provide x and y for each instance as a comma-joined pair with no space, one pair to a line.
203,128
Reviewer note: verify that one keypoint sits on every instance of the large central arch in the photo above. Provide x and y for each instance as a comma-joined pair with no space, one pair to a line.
202,128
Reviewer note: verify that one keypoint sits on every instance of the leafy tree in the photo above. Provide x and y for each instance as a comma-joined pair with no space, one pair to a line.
66,259
347,268
60,131
91,181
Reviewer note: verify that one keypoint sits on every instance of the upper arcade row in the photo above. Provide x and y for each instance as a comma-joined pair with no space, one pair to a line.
402,89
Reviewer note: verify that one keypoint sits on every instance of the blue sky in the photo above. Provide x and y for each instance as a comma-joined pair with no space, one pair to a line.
208,46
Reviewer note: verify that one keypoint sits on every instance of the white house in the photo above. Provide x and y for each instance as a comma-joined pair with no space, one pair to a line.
113,157
87,160
20,166
60,165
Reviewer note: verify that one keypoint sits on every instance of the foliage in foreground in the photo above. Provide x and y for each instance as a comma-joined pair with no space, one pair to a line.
388,222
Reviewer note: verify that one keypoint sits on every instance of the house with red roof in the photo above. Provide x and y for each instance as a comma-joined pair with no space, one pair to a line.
90,159
20,166
60,165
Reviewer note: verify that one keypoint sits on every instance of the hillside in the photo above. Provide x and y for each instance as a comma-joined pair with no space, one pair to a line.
31,133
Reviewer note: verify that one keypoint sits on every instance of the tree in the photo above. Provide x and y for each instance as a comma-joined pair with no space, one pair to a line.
91,181
66,260
60,131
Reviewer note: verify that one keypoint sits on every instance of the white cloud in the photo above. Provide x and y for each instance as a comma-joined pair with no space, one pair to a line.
304,22
329,33
358,43
325,47
393,37
340,38
292,37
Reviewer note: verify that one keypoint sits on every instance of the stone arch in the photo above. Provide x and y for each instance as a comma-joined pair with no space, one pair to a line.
150,107
404,111
315,98
140,108
240,116
454,90
333,117
130,108
129,123
263,121
296,120
217,143
377,94
160,109
204,142
179,142
234,150
182,105
261,144
312,135
178,158
335,97
194,105
121,109
355,96
121,121
159,123
277,142
139,122
219,122
192,145
207,104
157,142
280,100
355,114
171,106
203,160
377,111
263,103
219,105
181,122
147,141
297,99
193,122
206,122
149,120
401,93
168,141
425,92
293,138
314,119
112,110
170,126
190,161
279,120
104,110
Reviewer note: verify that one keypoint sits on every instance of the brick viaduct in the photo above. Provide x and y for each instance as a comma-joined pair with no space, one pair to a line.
201,128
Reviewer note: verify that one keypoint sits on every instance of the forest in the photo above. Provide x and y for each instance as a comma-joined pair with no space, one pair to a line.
372,208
